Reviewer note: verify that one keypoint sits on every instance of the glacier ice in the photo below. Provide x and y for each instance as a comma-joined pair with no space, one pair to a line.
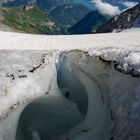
90,95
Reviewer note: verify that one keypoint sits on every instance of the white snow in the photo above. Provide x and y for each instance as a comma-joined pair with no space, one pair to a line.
133,58
21,41
14,92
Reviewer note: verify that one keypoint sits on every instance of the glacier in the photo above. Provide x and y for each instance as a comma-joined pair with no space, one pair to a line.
84,87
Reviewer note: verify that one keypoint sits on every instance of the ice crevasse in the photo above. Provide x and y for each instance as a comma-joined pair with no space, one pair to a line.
70,95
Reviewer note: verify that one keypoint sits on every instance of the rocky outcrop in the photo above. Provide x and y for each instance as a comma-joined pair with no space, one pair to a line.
127,19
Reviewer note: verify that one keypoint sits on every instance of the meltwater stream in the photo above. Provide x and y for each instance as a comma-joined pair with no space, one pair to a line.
72,111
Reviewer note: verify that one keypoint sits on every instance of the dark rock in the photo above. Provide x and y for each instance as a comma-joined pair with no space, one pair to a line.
121,22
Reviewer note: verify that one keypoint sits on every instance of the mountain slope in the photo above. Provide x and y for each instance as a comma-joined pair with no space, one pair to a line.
88,24
128,19
69,14
30,20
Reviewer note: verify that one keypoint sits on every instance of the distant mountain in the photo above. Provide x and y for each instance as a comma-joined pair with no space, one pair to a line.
16,2
28,19
46,5
87,3
128,19
58,16
69,14
88,24
51,4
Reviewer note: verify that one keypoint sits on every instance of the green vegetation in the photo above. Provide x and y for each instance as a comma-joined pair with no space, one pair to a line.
30,20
